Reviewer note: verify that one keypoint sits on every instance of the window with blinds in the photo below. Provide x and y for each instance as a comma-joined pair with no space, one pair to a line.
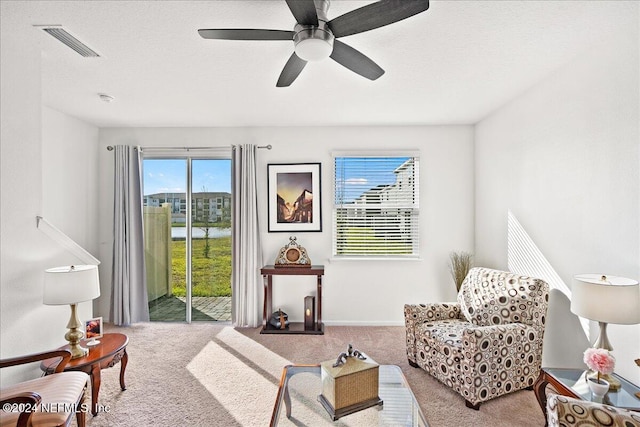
376,206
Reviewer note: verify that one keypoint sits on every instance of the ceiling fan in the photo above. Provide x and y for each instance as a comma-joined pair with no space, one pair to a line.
315,37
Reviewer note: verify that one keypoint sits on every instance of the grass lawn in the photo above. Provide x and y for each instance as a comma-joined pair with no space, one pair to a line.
364,241
211,276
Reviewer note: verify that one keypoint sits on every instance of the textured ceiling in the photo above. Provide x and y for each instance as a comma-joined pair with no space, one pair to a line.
453,64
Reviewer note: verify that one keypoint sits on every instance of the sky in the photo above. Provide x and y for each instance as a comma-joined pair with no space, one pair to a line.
170,175
362,174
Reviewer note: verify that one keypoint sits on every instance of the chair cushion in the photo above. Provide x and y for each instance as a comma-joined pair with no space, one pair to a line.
492,297
59,392
445,336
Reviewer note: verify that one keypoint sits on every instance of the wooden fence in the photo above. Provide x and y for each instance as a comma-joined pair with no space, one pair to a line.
157,249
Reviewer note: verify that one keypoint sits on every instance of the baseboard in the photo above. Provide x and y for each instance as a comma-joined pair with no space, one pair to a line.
363,322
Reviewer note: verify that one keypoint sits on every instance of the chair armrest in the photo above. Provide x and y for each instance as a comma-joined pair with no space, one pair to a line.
65,356
420,313
416,314
567,411
477,337
26,401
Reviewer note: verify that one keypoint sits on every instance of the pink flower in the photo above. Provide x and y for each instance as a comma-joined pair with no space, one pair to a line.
599,360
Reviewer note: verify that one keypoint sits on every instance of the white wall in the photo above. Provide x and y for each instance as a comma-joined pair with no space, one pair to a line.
354,292
70,176
564,158
26,324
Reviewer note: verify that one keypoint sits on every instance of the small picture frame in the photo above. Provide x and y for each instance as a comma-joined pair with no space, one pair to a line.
294,197
93,331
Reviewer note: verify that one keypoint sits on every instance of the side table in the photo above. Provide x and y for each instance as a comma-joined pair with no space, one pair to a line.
111,350
572,383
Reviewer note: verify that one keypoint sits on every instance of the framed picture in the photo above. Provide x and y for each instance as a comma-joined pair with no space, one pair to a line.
93,329
294,199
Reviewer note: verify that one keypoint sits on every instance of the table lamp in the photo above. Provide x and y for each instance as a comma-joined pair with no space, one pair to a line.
72,285
606,299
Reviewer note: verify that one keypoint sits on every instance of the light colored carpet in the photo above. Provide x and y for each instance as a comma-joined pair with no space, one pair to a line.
210,374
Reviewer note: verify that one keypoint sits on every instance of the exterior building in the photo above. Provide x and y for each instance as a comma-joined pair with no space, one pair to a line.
391,195
388,211
205,206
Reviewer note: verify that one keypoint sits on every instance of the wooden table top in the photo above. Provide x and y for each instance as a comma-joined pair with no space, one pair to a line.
314,270
110,344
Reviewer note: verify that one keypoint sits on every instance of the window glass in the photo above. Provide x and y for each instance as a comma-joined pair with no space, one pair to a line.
376,206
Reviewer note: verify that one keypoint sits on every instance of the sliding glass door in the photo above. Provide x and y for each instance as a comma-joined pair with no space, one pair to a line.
187,214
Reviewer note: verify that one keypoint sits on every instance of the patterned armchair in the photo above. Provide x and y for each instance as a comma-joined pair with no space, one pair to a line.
487,344
563,411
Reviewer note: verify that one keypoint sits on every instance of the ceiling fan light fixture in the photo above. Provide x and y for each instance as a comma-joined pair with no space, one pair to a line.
313,43
314,49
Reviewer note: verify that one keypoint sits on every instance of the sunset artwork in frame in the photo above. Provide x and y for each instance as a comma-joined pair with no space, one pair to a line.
294,199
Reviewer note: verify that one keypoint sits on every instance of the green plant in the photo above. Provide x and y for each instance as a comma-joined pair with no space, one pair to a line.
459,265
203,217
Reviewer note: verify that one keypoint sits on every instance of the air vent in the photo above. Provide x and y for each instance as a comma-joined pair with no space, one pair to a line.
69,40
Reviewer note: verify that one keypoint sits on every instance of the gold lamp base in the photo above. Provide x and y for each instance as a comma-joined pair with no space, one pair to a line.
74,335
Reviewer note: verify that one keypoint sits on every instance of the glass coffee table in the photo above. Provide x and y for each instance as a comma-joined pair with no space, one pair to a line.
300,387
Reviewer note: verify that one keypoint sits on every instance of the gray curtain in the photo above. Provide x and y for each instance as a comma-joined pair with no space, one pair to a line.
247,254
129,285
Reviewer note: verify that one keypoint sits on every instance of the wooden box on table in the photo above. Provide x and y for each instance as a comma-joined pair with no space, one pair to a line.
350,387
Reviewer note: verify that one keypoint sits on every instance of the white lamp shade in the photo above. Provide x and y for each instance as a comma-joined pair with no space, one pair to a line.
71,284
608,299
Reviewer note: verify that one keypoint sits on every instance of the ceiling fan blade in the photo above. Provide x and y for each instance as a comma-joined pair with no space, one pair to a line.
376,15
291,70
246,34
357,62
304,11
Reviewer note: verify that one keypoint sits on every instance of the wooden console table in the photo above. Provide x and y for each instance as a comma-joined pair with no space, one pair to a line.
111,350
268,271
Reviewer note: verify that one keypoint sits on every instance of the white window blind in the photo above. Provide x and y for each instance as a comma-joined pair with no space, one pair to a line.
376,206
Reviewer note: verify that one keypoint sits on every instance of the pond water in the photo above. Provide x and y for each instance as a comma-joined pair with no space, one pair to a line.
198,233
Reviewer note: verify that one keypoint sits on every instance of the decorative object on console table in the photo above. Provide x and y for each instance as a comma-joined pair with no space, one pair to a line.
292,255
279,320
349,384
293,198
93,330
606,299
309,313
72,285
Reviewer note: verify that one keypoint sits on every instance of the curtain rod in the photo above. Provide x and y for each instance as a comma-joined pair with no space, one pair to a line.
110,148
